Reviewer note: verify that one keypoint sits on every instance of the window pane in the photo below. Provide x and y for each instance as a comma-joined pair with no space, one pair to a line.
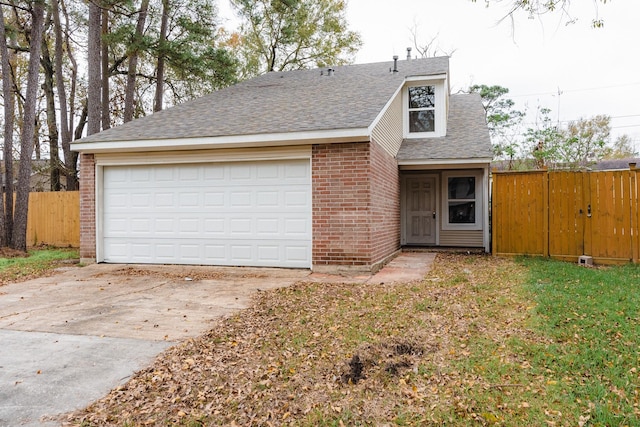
462,212
422,121
422,97
462,187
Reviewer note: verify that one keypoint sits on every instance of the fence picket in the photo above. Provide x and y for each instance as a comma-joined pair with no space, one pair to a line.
54,219
567,214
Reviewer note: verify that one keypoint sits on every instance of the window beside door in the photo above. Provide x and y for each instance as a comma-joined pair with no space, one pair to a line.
462,193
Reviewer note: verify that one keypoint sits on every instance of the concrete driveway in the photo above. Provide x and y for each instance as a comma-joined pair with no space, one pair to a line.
68,339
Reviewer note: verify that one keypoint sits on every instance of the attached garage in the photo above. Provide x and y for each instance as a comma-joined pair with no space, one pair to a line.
235,213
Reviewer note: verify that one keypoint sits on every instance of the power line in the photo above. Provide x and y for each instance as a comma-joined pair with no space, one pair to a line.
576,90
626,126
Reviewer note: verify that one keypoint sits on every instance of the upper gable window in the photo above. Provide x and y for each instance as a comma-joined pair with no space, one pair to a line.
422,108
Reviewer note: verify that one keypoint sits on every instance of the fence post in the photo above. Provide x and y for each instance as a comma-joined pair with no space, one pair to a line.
545,214
635,239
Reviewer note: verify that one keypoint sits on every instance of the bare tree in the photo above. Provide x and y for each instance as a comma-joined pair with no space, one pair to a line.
104,60
94,78
129,102
66,111
537,8
6,214
19,238
157,105
430,47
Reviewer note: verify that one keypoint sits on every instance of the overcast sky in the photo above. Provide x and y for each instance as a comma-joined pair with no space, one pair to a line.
596,71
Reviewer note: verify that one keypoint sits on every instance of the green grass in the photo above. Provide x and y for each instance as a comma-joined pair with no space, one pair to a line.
592,317
39,262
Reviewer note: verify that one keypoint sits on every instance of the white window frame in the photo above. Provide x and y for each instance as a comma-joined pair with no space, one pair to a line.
479,200
439,110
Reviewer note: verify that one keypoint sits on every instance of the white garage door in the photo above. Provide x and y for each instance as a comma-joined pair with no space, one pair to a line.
245,214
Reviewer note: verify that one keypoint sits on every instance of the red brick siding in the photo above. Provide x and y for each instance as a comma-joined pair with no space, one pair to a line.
340,177
385,204
87,207
353,223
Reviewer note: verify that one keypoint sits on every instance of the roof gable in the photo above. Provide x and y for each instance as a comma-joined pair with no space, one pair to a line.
351,97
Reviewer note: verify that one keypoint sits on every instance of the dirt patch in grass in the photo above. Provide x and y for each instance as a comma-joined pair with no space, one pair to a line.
6,252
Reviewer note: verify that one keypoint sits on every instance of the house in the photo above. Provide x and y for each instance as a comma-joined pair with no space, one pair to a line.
40,179
322,169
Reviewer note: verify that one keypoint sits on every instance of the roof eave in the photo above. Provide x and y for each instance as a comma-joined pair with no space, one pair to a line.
468,163
236,141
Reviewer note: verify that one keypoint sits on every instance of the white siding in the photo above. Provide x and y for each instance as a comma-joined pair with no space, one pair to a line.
388,131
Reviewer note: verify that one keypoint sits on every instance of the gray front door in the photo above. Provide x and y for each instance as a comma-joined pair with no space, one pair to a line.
420,210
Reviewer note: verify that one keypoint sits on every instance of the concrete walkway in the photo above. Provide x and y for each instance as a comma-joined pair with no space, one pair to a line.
68,339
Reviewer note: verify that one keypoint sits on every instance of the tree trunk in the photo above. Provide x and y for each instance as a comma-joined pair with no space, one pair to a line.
94,98
6,214
19,240
157,106
84,118
106,121
65,125
70,157
129,101
52,125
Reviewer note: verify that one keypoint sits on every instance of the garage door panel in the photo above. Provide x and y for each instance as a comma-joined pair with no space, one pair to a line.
205,252
244,213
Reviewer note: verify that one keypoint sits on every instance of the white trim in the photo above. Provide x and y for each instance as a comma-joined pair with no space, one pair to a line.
440,109
105,161
182,157
479,190
485,189
237,141
426,78
99,193
204,156
440,163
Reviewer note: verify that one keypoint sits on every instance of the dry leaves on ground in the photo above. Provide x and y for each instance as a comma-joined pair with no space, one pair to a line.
317,353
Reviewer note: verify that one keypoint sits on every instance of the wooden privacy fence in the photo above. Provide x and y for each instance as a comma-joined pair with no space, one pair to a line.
54,219
566,215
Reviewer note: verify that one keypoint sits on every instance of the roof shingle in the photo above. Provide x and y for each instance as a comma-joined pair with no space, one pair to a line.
281,102
467,135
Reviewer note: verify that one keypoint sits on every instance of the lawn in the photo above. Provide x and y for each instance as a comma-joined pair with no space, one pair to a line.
480,341
15,267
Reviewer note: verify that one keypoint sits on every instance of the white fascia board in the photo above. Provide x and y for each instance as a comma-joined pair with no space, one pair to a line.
237,141
438,163
426,78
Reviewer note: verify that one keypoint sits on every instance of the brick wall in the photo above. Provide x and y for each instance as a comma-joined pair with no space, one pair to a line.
341,204
385,204
353,223
87,208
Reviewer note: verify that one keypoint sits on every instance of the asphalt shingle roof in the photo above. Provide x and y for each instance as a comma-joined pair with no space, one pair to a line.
467,134
281,102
